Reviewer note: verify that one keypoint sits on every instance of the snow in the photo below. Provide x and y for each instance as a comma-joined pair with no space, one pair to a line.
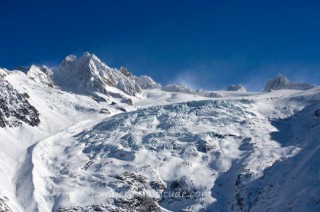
218,150
41,75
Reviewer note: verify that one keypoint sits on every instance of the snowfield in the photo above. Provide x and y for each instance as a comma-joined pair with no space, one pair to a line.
135,146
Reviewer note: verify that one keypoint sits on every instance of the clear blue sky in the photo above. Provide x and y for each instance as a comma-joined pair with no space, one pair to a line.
207,44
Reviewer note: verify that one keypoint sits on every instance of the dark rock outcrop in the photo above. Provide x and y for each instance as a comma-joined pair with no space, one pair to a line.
15,108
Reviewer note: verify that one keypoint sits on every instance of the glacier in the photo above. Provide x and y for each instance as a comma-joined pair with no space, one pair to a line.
83,136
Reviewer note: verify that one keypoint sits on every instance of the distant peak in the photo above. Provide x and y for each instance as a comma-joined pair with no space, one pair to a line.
281,82
70,57
68,60
85,58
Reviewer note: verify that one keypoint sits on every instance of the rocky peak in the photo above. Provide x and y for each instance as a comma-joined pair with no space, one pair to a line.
68,61
89,73
281,82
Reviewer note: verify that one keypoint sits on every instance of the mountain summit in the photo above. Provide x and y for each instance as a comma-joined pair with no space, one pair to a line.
89,73
281,82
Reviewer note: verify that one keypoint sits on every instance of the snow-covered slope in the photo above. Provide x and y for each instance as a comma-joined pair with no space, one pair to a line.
220,150
56,109
155,150
174,149
15,108
41,74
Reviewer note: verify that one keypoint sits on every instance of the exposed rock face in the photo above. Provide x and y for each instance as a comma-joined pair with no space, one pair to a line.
125,71
88,73
3,204
136,203
15,108
237,87
281,82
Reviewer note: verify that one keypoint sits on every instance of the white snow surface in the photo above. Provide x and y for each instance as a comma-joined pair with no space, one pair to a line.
234,152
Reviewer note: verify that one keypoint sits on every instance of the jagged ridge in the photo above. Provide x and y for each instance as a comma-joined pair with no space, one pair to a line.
88,73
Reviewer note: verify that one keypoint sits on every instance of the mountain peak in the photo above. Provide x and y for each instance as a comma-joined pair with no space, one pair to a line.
281,82
68,61
70,58
281,76
87,55
89,73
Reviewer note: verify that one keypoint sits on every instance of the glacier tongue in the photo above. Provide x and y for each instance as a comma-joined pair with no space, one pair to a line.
151,154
